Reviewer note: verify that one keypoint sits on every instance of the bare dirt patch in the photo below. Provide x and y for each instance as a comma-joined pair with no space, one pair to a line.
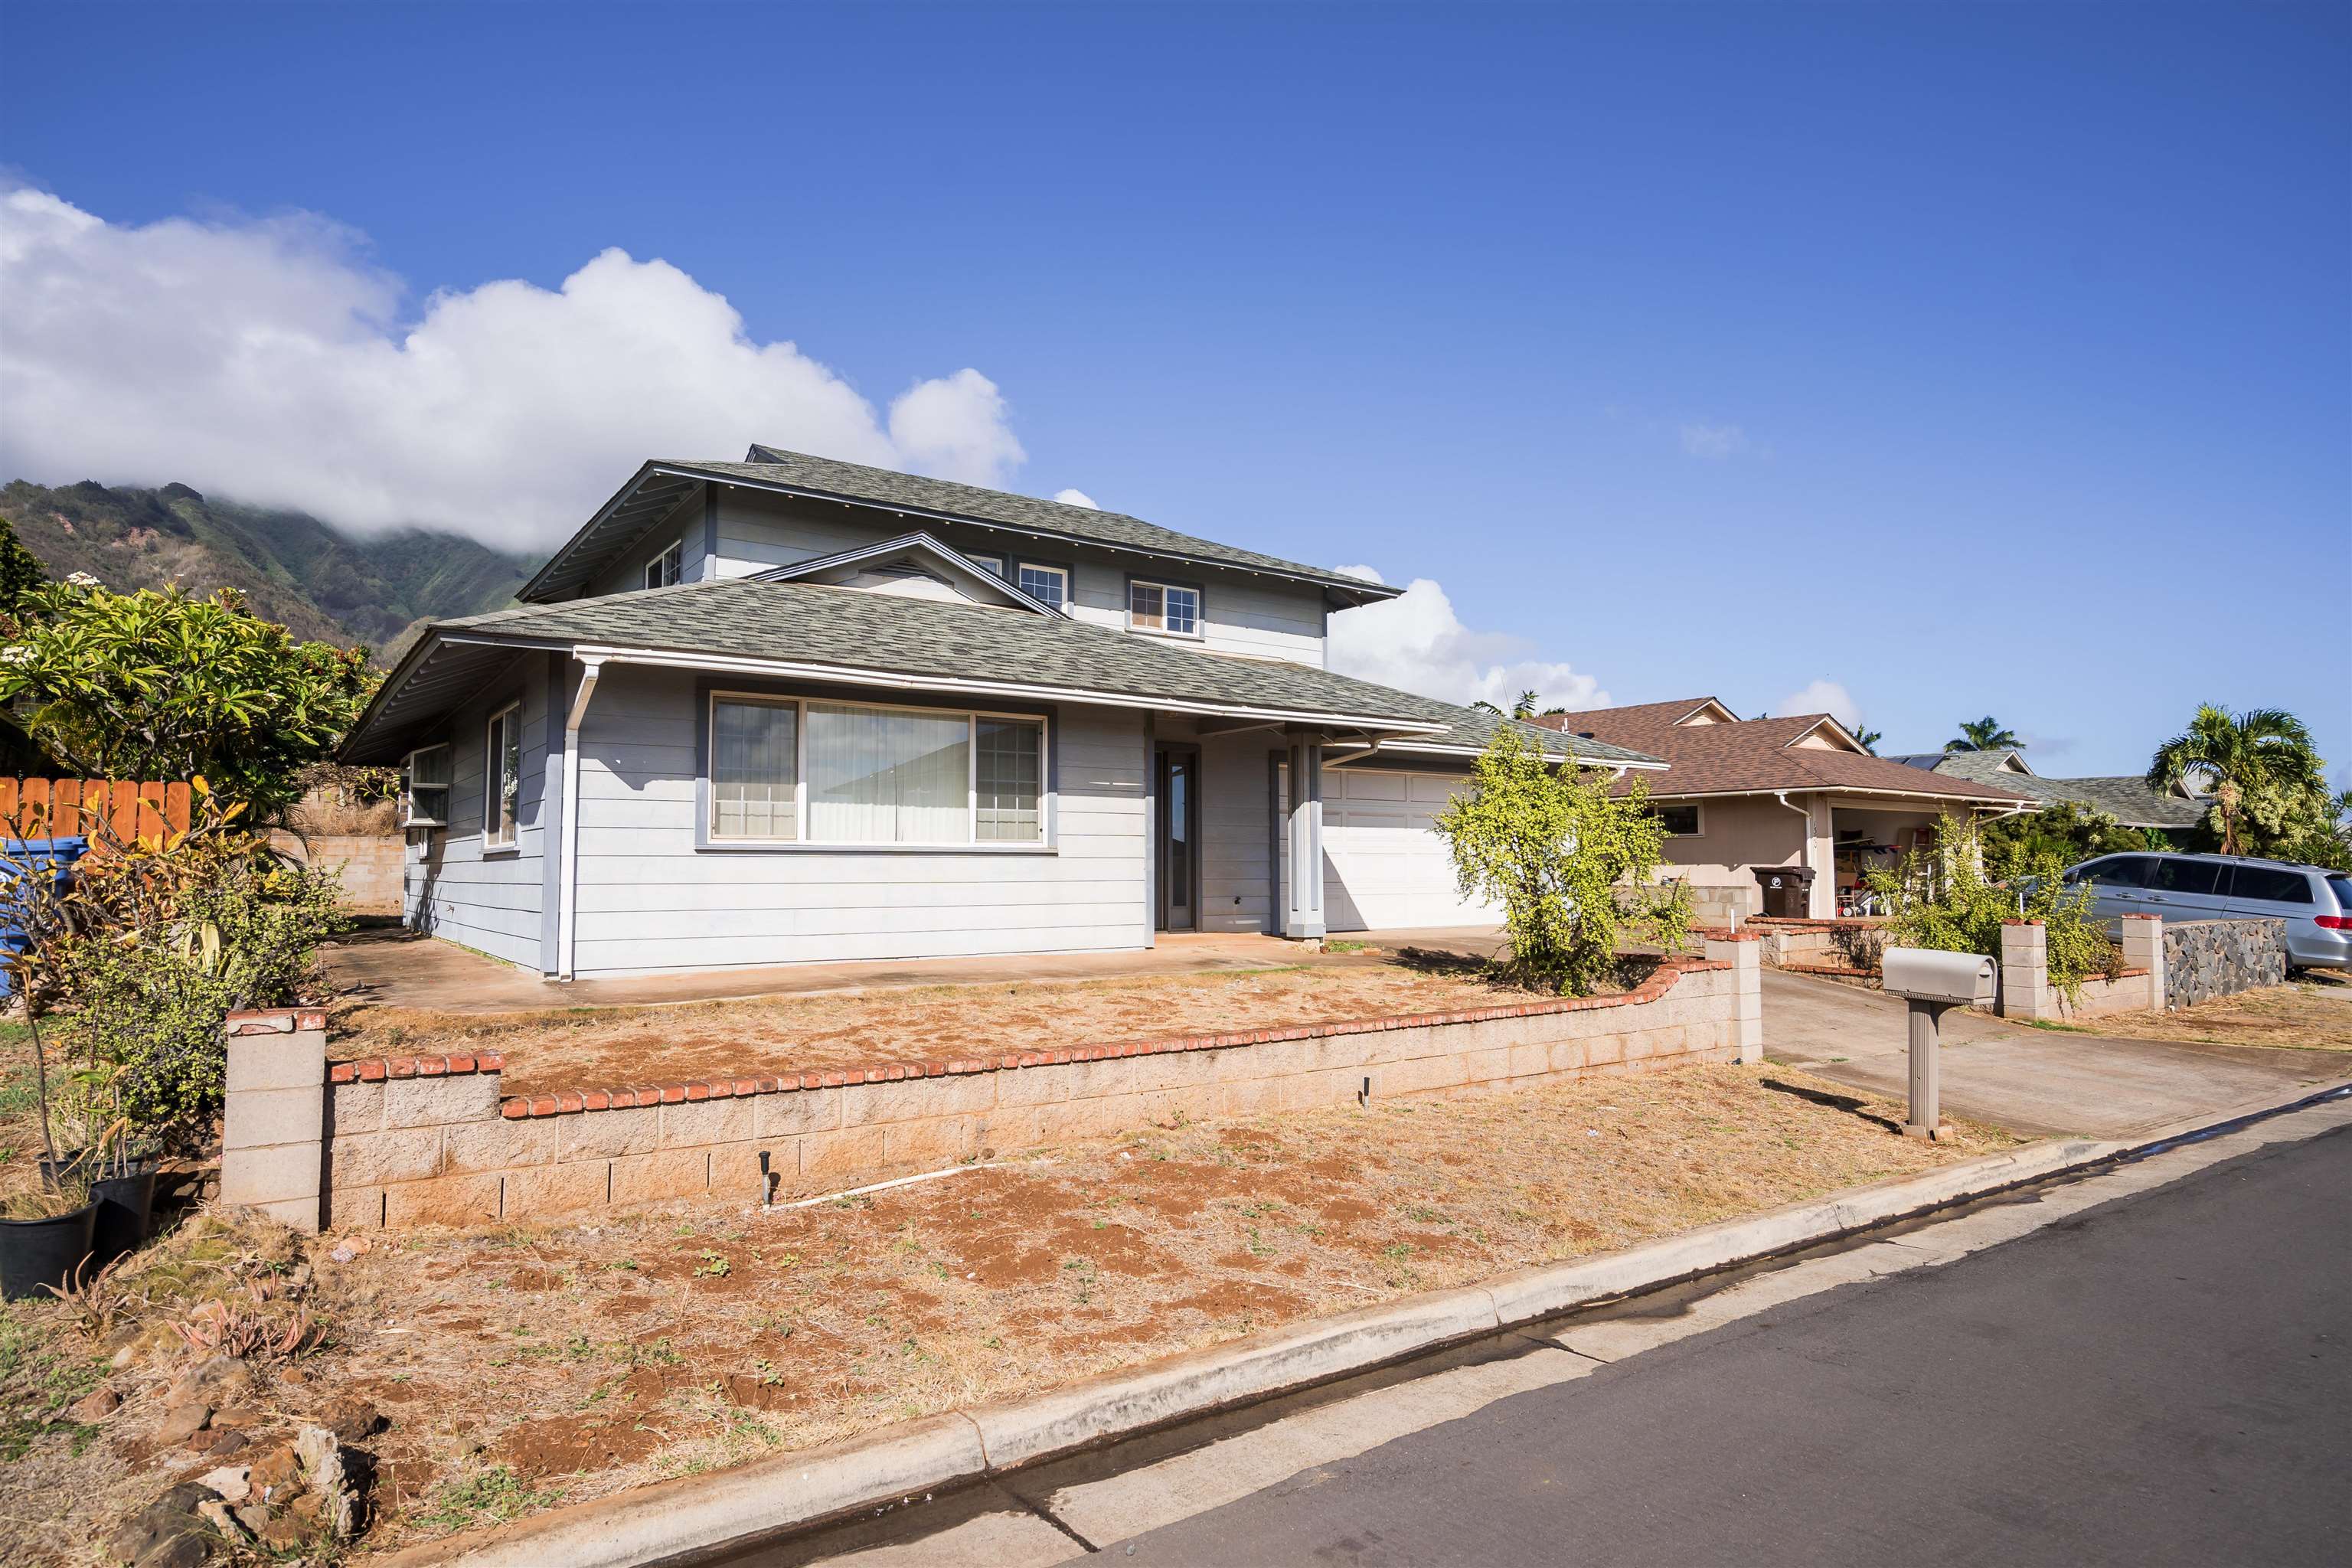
571,1049
522,1367
2305,1015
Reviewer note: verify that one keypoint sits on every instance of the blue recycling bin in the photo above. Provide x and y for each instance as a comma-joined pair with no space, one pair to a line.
48,861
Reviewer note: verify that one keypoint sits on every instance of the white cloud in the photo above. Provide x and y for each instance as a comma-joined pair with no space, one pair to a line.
1417,643
1717,443
1822,697
269,361
1077,497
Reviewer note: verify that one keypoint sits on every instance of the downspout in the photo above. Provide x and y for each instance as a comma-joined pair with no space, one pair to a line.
568,895
1806,841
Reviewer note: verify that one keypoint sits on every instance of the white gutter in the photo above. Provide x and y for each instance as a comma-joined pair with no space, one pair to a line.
568,878
1783,797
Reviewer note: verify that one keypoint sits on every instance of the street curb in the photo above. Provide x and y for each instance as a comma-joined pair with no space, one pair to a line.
694,1516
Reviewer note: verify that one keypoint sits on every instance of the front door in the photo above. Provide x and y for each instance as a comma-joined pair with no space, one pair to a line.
1178,839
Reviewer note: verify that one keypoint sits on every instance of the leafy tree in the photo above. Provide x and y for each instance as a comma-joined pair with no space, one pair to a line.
2065,831
1985,734
1569,863
1522,709
2268,784
20,570
161,685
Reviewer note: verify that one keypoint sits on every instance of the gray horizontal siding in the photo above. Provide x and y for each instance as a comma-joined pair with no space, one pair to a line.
648,900
488,900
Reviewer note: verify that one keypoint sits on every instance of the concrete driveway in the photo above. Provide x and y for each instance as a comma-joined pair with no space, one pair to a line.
2029,1081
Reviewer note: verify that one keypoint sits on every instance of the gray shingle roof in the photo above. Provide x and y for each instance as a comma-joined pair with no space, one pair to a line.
856,630
855,482
2126,799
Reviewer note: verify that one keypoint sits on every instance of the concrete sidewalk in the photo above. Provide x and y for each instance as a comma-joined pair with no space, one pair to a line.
2032,1081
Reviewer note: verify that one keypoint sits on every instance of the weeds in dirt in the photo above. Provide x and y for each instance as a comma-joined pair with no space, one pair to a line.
492,1496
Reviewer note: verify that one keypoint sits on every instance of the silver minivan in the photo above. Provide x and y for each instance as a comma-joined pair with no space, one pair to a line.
2316,904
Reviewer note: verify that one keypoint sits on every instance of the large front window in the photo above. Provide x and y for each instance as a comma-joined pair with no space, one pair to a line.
787,771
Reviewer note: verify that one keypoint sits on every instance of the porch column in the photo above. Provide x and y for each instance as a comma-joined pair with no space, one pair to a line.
1820,853
1302,879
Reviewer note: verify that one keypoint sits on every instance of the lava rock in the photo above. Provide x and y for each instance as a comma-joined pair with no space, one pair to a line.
181,1422
349,1418
233,1483
96,1405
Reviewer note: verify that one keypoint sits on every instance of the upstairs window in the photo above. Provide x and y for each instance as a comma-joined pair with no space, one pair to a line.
424,788
662,570
501,777
992,565
1163,607
1047,585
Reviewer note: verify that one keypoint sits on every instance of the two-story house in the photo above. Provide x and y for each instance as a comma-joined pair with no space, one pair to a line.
792,709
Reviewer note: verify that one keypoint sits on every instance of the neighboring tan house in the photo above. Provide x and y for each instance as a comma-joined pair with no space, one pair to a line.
795,709
2126,799
1741,794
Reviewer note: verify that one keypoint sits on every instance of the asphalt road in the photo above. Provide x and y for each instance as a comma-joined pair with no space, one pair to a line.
2167,1379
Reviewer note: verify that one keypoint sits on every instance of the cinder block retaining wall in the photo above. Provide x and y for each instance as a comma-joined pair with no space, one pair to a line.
1848,945
2027,993
2205,959
415,1140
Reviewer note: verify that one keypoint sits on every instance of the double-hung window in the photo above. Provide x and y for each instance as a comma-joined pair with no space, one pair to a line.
787,771
1163,607
661,571
501,776
1047,585
424,788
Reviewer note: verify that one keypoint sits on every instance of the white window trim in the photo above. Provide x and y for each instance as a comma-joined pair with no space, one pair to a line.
990,563
491,756
1165,589
1061,571
408,817
674,557
708,835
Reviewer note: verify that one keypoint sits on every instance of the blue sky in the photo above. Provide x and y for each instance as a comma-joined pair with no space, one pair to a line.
1974,359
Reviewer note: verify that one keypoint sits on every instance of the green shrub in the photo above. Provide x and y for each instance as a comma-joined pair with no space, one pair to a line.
1569,863
1944,900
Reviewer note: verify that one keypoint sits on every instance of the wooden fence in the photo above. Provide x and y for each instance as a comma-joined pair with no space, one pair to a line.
65,808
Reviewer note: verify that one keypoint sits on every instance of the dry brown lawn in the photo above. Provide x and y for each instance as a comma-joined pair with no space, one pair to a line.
523,1365
2311,1014
593,1048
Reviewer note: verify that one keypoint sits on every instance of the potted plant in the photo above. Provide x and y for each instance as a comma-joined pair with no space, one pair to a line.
45,1238
104,1153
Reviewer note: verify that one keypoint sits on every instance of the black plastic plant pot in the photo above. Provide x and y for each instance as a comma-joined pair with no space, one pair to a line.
126,1209
37,1252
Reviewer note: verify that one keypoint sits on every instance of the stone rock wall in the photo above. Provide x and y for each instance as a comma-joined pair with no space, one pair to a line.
2205,959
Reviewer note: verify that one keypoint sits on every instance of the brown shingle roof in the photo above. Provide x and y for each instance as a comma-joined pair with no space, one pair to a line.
1756,755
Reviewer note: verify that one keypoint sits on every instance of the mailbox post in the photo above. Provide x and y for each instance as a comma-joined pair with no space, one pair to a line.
1933,982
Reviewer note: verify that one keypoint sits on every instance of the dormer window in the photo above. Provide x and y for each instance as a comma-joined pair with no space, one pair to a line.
661,571
995,564
1169,608
1046,585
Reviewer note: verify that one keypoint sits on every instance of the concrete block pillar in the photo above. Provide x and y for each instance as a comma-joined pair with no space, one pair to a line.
2025,971
1302,879
272,1153
2142,942
1745,956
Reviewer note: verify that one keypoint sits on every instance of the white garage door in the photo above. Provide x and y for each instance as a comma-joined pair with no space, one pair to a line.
1384,865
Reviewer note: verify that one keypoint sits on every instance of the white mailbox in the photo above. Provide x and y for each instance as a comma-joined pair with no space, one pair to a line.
1955,979
1932,982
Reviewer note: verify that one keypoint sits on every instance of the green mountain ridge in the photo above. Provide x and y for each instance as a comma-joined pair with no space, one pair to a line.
292,567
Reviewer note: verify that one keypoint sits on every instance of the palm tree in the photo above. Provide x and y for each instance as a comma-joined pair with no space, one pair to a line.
1523,710
1985,734
1869,739
1525,707
2229,755
1482,706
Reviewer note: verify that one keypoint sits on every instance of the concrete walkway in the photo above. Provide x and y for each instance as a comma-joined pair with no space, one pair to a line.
2030,1081
399,968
